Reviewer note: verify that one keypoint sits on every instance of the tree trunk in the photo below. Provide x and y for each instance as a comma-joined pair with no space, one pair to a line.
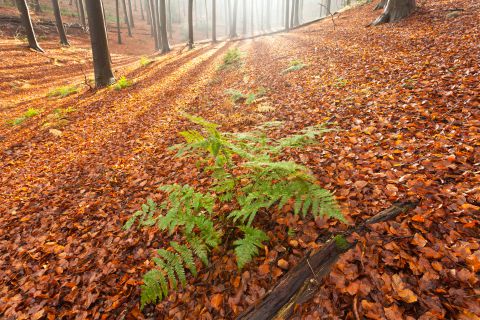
206,18
233,29
170,28
163,20
59,22
98,37
153,19
214,21
81,11
124,4
141,9
244,31
132,24
395,10
296,18
27,24
119,32
287,15
159,29
252,22
149,14
190,24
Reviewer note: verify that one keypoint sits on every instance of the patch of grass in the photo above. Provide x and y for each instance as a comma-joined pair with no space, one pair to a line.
232,59
249,98
295,65
30,113
122,83
144,61
63,92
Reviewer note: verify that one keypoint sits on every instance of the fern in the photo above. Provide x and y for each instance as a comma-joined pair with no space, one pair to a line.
247,248
246,175
168,274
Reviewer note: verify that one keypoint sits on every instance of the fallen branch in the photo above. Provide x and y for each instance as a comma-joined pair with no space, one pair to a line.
302,282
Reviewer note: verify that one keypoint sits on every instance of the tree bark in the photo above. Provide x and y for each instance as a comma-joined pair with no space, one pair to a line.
302,281
81,11
132,24
381,5
252,22
244,31
124,4
119,31
170,28
206,18
233,28
27,24
98,37
141,9
214,21
395,10
163,20
287,15
190,24
153,20
59,22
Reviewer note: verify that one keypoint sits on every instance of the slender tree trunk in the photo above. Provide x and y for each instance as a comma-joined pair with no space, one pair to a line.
214,21
157,17
395,10
170,28
287,15
81,11
227,16
119,31
282,13
269,14
293,14
141,9
296,20
124,4
149,14
244,31
132,24
27,24
153,23
163,19
59,22
190,24
329,5
135,5
206,17
233,29
252,22
98,37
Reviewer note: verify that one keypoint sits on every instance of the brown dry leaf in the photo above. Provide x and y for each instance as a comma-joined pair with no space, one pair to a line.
216,301
419,240
405,294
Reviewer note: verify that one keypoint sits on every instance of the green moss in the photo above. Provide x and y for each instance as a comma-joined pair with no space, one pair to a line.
341,242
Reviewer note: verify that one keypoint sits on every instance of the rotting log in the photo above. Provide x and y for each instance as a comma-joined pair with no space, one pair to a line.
302,281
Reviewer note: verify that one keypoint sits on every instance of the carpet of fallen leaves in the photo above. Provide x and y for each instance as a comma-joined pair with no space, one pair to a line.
404,98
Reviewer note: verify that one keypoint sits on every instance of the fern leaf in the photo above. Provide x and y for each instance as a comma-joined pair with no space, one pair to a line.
154,287
247,248
186,255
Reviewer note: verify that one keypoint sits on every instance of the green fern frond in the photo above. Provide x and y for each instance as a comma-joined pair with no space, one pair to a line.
247,248
186,255
154,287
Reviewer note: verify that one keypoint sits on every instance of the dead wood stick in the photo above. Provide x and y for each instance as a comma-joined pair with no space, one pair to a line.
302,281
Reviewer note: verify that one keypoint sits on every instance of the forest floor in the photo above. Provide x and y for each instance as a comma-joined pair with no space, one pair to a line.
404,98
